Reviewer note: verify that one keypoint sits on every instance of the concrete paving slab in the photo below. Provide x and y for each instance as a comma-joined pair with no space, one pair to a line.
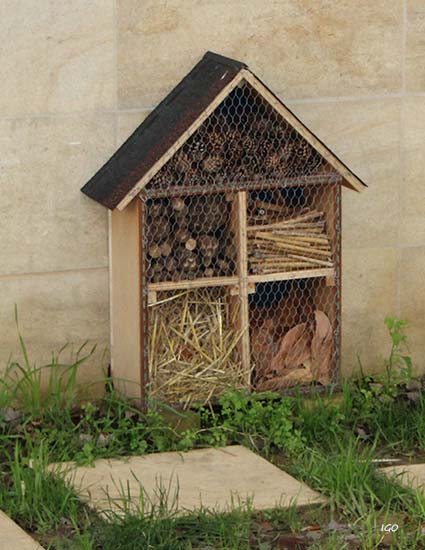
407,475
208,478
12,537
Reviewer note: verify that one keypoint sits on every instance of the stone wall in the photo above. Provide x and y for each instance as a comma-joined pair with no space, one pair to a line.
79,75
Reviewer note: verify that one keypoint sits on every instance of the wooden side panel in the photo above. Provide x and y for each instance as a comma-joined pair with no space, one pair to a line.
126,302
239,224
328,290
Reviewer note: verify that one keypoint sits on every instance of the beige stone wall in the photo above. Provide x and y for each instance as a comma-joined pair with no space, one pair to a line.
79,75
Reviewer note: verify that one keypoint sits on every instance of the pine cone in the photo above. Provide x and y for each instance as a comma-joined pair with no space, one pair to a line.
315,161
262,127
212,163
182,161
196,147
216,140
264,148
164,179
274,162
304,158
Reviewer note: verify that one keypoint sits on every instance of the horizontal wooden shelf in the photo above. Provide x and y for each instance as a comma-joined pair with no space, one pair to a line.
291,275
194,283
254,183
208,282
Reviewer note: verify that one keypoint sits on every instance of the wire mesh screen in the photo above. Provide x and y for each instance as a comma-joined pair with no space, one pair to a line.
196,264
294,330
241,255
244,142
194,346
190,237
291,229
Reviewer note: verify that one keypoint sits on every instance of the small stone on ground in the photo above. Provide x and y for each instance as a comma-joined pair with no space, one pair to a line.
408,475
215,479
12,537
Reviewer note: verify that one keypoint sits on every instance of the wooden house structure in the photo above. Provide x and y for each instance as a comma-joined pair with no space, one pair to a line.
226,226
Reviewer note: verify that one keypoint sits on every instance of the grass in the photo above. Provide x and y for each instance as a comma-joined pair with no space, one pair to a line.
330,444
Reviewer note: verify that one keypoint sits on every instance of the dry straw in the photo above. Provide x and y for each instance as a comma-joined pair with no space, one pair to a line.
193,347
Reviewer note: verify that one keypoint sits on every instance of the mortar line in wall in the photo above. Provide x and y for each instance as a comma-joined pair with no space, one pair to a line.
115,53
385,247
336,99
301,100
329,99
10,276
401,158
115,137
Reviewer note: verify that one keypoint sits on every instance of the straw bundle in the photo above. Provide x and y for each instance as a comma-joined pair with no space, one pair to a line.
193,347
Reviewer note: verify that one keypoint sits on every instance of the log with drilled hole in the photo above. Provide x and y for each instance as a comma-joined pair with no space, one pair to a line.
194,241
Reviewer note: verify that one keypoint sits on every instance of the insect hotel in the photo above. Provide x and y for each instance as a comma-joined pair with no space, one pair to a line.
225,243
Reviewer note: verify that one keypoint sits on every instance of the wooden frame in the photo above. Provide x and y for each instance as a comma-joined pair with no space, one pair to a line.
126,297
352,181
241,285
239,224
178,143
177,119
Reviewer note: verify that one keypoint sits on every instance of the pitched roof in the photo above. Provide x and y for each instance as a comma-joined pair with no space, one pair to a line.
175,119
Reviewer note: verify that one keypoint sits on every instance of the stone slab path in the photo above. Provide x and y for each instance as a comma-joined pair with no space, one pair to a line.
408,475
12,537
209,478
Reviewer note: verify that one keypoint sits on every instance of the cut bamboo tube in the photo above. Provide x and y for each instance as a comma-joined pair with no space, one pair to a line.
286,246
312,260
275,270
291,221
303,238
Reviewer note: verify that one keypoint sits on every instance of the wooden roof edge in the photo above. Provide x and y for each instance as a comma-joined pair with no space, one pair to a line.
242,73
181,140
170,119
351,179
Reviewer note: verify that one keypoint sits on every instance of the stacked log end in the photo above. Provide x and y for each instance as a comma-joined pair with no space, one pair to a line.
282,239
188,239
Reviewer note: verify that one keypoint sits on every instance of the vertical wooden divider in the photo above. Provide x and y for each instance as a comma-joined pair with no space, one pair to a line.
328,290
238,224
144,324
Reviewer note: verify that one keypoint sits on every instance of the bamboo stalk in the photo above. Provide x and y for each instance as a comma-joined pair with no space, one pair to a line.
285,246
297,265
304,238
276,265
290,221
324,263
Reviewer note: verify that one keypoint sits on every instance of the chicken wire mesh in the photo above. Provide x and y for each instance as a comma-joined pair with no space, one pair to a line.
194,346
189,237
243,143
283,243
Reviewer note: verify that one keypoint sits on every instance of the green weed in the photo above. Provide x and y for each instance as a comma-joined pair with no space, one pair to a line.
329,440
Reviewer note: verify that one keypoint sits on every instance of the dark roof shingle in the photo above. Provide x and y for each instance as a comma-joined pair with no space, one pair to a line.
159,131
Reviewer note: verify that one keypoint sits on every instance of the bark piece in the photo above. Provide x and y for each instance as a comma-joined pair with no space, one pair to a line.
294,376
321,348
294,349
